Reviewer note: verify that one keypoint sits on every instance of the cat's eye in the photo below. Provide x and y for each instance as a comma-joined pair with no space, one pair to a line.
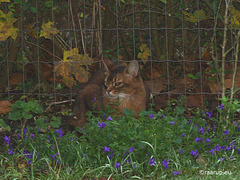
118,84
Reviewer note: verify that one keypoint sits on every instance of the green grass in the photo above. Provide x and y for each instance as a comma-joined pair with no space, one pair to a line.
132,142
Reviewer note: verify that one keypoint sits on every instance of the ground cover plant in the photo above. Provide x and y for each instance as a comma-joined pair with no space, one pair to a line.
164,144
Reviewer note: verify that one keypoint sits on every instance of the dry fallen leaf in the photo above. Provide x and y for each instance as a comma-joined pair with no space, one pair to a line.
5,107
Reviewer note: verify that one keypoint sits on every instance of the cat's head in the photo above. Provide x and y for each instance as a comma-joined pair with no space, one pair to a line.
121,81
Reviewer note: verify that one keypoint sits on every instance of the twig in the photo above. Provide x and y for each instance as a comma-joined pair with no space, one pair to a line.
61,102
83,44
73,24
224,54
235,65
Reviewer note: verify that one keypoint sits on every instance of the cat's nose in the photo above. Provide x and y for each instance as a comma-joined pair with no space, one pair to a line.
109,89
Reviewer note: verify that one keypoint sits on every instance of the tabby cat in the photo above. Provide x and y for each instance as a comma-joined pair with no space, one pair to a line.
117,83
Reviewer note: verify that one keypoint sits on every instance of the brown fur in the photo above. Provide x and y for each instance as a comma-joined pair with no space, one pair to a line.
117,83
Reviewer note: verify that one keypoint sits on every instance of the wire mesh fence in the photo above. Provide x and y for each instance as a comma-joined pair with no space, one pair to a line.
50,48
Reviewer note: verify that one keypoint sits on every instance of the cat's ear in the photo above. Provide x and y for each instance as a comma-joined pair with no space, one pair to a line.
132,68
108,64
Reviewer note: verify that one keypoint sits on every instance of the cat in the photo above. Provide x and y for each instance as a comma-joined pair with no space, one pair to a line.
116,83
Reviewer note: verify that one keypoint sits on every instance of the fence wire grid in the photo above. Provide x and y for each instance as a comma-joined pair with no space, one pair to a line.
178,44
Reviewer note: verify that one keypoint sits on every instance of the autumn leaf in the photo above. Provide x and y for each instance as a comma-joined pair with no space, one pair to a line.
48,30
72,65
73,55
30,31
6,26
197,16
4,1
144,54
235,17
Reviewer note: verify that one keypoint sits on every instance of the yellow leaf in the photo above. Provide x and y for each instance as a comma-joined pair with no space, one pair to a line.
48,30
4,1
30,31
73,55
69,81
6,26
72,65
235,17
196,17
144,54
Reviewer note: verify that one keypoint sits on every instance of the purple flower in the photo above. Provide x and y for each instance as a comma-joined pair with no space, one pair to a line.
201,130
7,140
106,149
18,136
60,132
172,123
183,135
194,153
24,131
180,150
228,148
110,156
207,140
218,148
27,154
101,125
215,125
212,151
176,172
52,147
10,151
189,122
209,114
198,139
32,136
235,123
226,132
151,116
109,118
95,100
53,156
29,161
221,159
152,161
118,165
165,163
221,107
131,149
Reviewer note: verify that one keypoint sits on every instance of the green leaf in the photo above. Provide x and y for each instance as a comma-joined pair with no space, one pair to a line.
164,1
180,110
4,125
18,104
56,123
48,4
18,2
40,123
15,115
33,9
196,76
26,115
